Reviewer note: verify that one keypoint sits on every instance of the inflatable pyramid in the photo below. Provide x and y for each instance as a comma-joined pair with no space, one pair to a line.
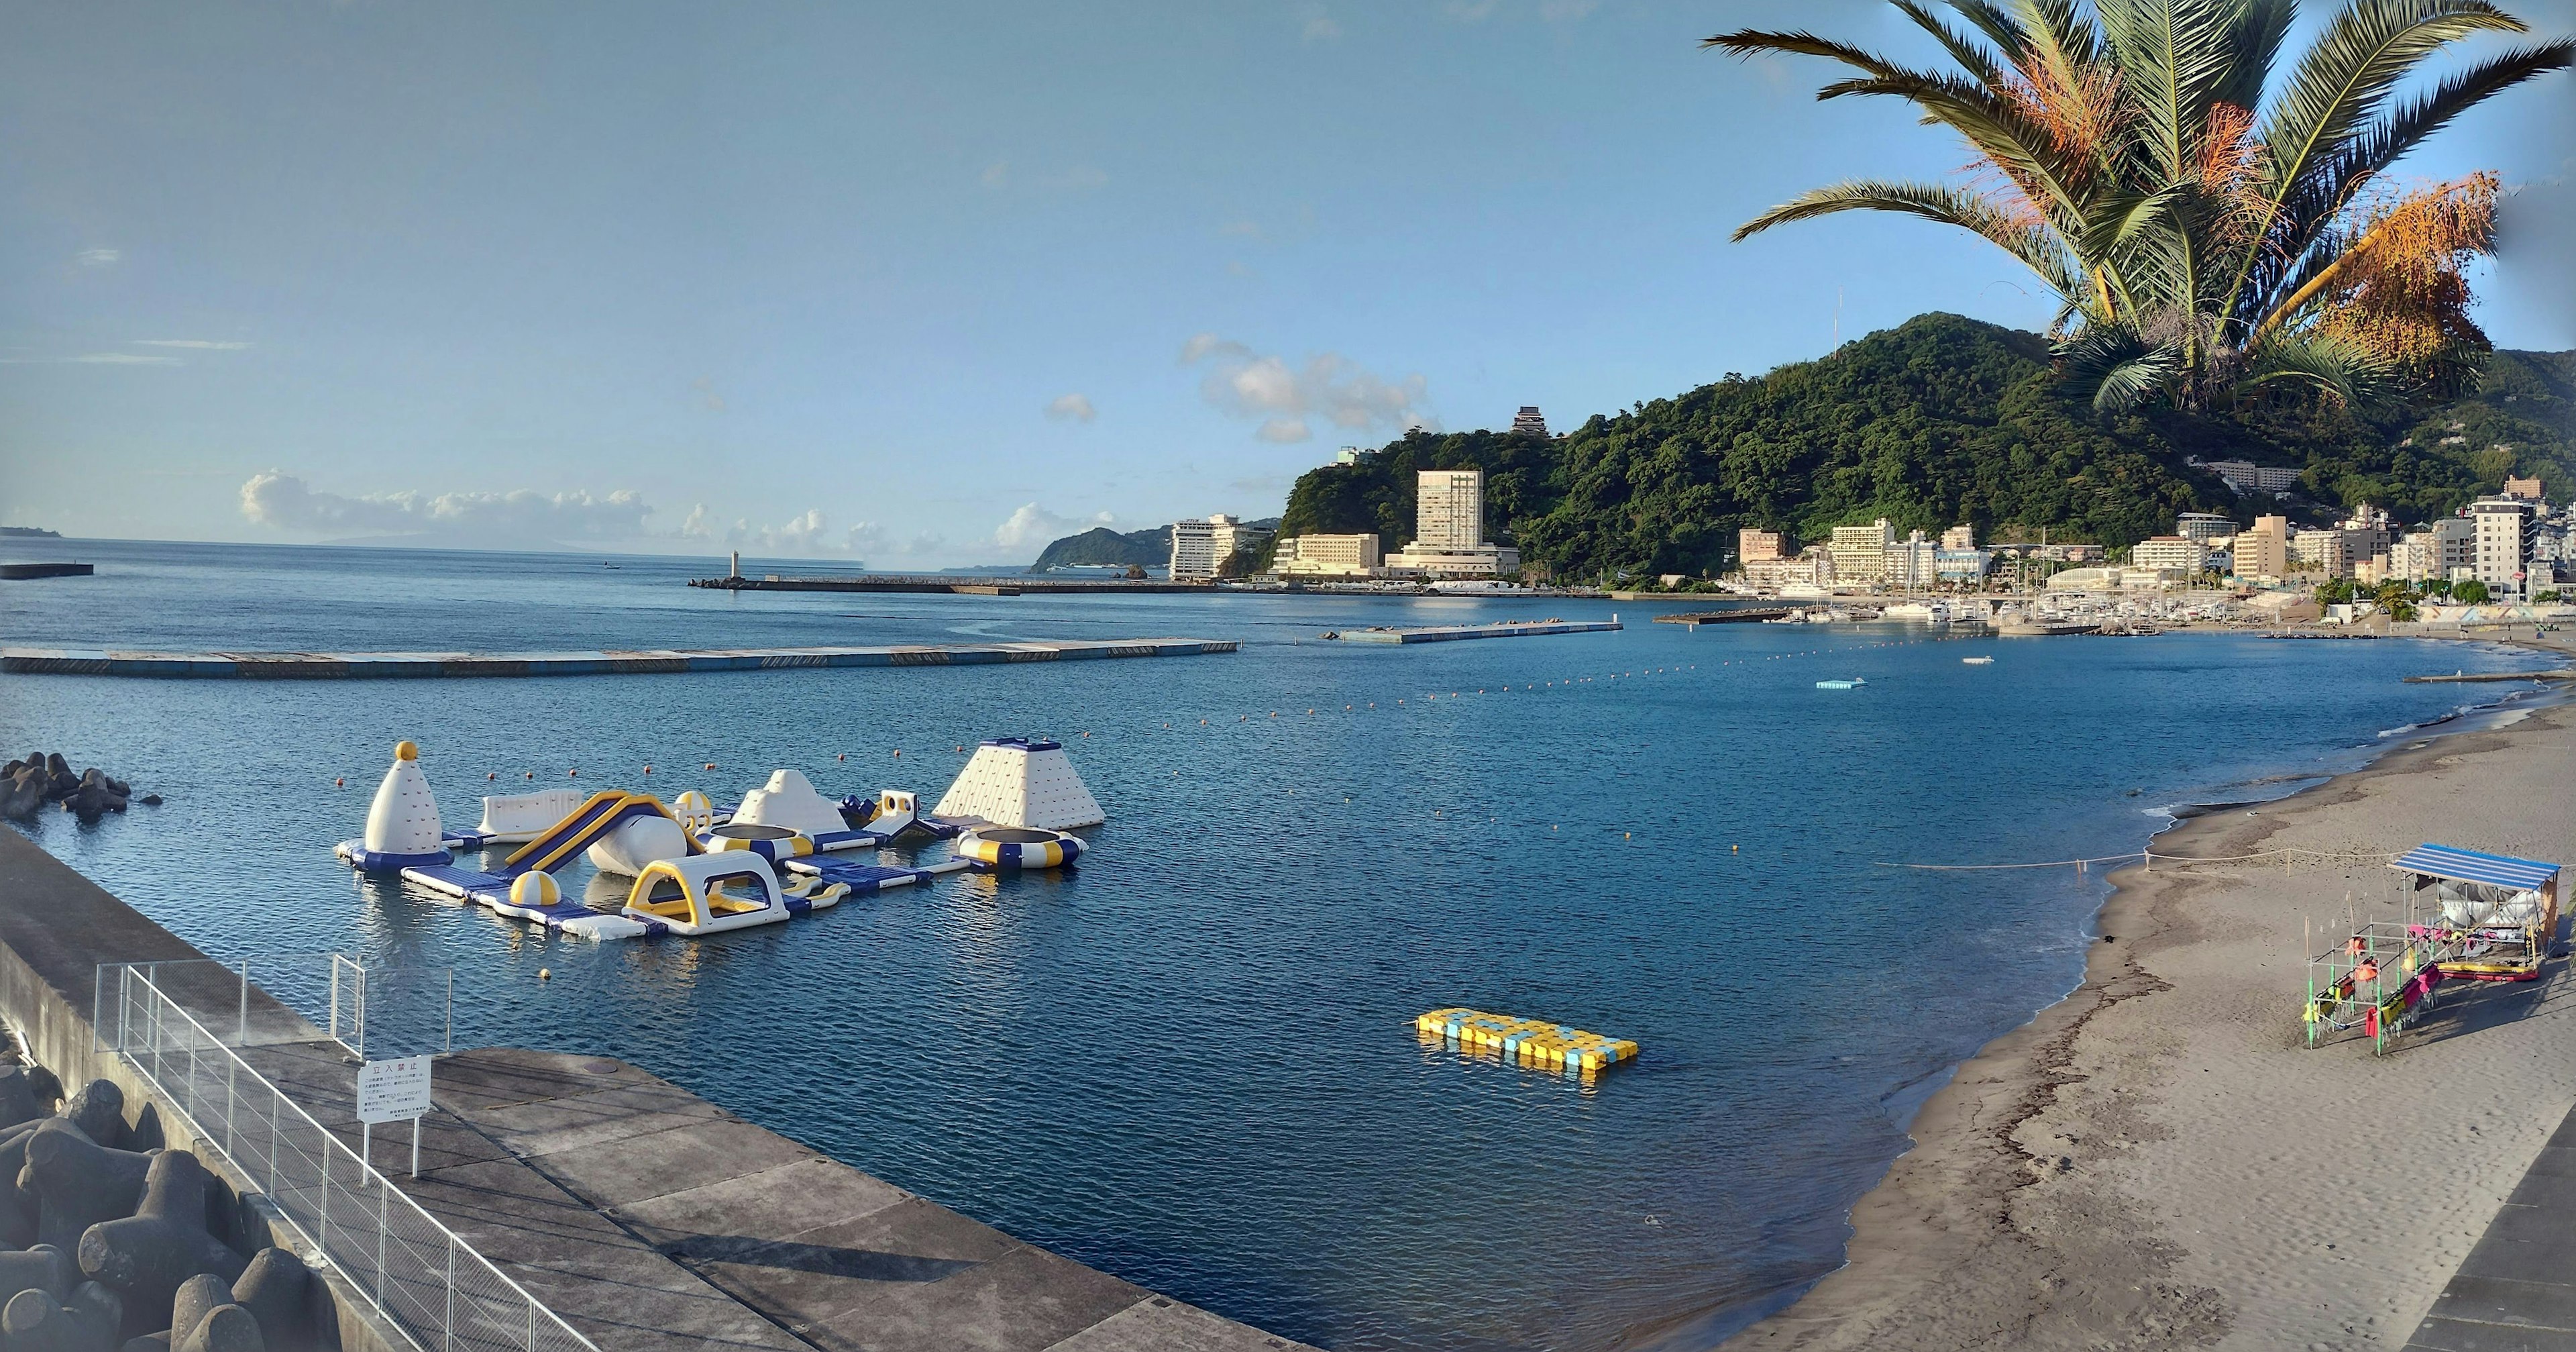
1011,782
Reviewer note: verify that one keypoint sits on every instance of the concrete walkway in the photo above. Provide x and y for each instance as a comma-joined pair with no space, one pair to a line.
652,1219
2516,1291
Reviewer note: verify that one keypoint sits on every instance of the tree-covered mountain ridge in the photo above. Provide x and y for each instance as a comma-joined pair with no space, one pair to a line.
1940,421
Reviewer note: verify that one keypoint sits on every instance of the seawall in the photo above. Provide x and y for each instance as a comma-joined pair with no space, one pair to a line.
645,1216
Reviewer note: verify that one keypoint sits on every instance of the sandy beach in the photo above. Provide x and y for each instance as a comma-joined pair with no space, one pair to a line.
2159,1161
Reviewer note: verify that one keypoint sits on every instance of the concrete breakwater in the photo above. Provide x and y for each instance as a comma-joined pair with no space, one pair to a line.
303,666
642,1215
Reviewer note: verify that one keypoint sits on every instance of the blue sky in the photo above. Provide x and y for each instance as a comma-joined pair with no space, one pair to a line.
927,284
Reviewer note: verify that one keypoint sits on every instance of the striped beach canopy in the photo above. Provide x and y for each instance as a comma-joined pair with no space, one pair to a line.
2469,866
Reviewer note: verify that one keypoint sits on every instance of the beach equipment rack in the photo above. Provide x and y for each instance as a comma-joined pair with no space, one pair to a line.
2498,914
2376,983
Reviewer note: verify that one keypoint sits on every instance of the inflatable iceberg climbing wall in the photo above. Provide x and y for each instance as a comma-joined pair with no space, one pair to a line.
1011,782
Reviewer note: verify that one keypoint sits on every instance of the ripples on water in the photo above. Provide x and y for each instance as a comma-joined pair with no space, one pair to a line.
1191,1063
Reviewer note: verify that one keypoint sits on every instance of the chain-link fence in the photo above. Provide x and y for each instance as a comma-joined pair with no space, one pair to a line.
428,1283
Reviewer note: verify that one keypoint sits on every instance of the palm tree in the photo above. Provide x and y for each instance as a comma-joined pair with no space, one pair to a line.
2206,232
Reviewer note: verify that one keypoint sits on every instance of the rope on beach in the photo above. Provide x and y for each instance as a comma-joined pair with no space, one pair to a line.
2286,854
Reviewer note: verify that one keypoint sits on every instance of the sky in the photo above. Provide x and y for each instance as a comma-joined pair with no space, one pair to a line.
930,285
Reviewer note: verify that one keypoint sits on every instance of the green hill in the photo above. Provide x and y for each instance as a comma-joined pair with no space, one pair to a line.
1939,421
1101,545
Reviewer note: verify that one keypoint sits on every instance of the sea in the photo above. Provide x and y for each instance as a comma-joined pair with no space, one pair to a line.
1191,1061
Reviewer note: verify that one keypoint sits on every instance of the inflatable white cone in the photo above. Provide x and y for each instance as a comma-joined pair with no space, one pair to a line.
402,824
1011,782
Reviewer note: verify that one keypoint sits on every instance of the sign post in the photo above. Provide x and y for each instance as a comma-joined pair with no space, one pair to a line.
389,1091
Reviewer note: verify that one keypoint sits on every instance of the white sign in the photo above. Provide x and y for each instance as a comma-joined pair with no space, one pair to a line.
389,1091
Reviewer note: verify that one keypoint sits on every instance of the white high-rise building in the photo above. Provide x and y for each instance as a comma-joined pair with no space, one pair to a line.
1860,552
1201,547
1449,509
2501,549
1449,529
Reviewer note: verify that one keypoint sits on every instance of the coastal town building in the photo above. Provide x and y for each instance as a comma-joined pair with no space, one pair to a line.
1962,567
2204,526
2179,553
2501,550
2321,551
1349,455
1860,552
1911,562
1959,537
1449,529
2263,550
1329,556
1200,546
2526,489
2247,477
1528,423
1760,546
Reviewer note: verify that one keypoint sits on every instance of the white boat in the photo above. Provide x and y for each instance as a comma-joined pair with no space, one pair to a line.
1841,685
1978,661
1930,612
1804,591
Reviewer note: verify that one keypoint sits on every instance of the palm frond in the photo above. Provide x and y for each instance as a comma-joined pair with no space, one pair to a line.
2304,221
2348,74
2341,369
2175,55
2115,365
1976,60
2036,246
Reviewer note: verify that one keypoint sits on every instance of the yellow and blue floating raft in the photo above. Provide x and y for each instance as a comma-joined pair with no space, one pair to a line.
1530,1042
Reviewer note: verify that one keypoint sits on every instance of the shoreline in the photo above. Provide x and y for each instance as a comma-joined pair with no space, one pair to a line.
2038,1205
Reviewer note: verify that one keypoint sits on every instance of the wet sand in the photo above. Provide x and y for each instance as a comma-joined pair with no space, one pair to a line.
2159,1161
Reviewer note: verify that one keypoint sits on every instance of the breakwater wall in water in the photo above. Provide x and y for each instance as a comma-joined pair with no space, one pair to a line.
642,1215
299,666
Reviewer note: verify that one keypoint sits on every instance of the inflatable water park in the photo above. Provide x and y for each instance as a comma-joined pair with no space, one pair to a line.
689,867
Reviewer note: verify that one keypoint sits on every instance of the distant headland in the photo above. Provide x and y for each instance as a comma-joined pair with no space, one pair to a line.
29,533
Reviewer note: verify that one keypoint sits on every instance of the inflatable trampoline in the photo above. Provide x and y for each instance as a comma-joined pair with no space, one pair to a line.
1018,847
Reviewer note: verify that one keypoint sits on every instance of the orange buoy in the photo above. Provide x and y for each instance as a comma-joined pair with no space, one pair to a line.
340,783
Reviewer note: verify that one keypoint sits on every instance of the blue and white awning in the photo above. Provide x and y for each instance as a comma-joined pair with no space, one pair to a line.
2497,870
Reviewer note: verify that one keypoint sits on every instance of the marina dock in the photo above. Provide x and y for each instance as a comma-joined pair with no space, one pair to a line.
1749,615
607,662
1450,633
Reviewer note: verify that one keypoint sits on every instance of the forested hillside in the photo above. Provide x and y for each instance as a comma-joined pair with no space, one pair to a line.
1939,421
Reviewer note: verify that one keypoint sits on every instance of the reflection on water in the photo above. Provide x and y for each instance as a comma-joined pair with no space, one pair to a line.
1192,1062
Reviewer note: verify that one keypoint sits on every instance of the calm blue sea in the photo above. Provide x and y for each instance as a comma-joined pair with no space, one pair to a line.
1192,1063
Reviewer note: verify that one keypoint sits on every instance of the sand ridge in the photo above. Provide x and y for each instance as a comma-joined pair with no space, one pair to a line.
2157,1161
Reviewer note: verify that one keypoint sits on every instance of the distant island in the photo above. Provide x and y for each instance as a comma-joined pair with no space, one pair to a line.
1940,421
29,533
1103,547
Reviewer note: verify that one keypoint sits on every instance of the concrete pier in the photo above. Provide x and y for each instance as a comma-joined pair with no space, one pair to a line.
1450,633
608,662
645,1216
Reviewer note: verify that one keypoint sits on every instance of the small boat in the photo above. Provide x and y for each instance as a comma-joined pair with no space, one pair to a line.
1841,685
1978,661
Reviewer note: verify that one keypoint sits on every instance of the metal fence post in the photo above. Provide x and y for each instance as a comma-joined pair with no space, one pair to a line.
241,1026
450,1339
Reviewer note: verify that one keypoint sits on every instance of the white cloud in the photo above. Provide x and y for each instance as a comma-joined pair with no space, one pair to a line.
121,359
194,344
1071,408
1321,28
1035,525
284,502
1289,399
810,533
1470,11
997,174
98,258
